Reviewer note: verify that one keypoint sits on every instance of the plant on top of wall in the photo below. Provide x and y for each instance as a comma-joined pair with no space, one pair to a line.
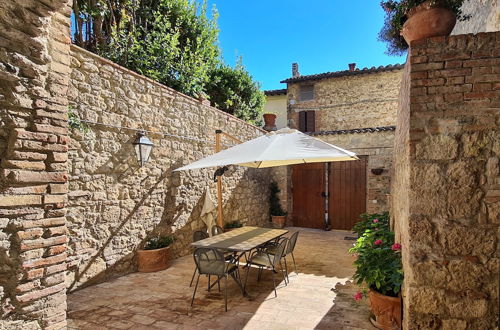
408,20
378,267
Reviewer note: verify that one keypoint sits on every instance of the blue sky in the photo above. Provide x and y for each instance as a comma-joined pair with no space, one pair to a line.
320,35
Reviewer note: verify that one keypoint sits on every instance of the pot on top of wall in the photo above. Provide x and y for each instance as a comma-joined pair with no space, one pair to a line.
156,254
410,20
269,122
278,215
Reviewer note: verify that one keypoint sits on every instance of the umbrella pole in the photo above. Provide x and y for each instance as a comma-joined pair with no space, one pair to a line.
220,222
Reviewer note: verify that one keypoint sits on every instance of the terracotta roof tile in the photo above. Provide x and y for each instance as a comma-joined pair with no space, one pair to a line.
390,67
356,130
272,92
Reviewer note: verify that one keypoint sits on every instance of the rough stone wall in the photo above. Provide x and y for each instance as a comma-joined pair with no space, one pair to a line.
34,58
485,17
114,204
378,147
349,102
450,235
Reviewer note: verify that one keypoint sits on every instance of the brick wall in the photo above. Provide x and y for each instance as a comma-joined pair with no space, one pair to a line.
447,161
114,204
34,71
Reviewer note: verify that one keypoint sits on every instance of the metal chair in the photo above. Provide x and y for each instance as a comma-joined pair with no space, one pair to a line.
262,259
211,262
197,236
290,247
216,230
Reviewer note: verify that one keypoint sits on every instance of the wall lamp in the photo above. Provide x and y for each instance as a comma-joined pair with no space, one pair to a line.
143,147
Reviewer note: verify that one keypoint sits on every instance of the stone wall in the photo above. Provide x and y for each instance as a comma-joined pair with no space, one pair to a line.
114,204
378,148
485,17
448,162
349,102
34,59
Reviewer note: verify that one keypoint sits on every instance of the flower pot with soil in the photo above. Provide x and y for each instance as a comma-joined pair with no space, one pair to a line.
278,215
155,256
409,20
379,269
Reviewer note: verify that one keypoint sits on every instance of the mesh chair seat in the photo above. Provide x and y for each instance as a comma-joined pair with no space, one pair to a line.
261,259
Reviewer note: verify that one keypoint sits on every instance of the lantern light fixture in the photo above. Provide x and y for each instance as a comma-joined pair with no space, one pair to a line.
143,147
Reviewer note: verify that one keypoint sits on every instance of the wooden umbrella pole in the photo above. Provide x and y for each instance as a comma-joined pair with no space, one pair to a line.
220,222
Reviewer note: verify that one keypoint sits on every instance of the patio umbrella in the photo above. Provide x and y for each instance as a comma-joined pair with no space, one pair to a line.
283,147
206,211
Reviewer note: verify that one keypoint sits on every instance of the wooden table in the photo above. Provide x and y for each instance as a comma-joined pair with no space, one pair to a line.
240,241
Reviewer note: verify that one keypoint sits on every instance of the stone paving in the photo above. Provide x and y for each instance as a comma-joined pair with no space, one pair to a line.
319,297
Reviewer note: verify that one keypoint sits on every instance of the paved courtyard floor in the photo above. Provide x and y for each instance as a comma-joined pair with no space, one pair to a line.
319,297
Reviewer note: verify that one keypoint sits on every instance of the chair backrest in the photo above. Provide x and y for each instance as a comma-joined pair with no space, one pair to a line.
216,230
199,235
291,242
209,261
280,250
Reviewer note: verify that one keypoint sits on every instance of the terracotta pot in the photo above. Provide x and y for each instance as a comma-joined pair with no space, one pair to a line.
153,260
269,121
387,310
426,20
279,220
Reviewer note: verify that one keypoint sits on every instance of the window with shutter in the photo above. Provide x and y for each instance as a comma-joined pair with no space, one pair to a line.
306,92
307,121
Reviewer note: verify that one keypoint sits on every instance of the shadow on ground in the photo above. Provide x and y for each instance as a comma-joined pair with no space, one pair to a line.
319,297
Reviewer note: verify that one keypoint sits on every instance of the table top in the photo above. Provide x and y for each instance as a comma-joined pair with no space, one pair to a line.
241,239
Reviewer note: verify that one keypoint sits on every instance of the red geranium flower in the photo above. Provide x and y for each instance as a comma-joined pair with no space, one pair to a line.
375,220
358,296
396,246
378,242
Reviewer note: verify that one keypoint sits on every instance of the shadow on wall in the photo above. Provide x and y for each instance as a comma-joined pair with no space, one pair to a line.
101,265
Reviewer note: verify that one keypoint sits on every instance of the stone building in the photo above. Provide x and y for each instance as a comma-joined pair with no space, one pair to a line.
353,109
276,104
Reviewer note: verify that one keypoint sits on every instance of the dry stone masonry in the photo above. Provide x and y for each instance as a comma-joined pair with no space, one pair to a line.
446,186
34,74
114,204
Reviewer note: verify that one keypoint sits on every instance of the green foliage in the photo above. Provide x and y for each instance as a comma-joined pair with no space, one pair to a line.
367,222
233,224
175,44
378,262
158,242
274,201
234,91
396,15
74,122
171,41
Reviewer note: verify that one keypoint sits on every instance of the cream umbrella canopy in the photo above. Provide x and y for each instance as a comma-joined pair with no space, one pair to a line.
283,147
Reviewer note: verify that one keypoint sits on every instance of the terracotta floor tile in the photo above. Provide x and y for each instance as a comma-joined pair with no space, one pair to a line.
319,297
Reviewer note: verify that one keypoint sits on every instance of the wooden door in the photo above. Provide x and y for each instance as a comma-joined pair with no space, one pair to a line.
308,187
347,193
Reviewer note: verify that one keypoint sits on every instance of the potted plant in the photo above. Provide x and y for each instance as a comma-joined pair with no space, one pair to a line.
156,254
408,20
379,268
278,215
232,225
